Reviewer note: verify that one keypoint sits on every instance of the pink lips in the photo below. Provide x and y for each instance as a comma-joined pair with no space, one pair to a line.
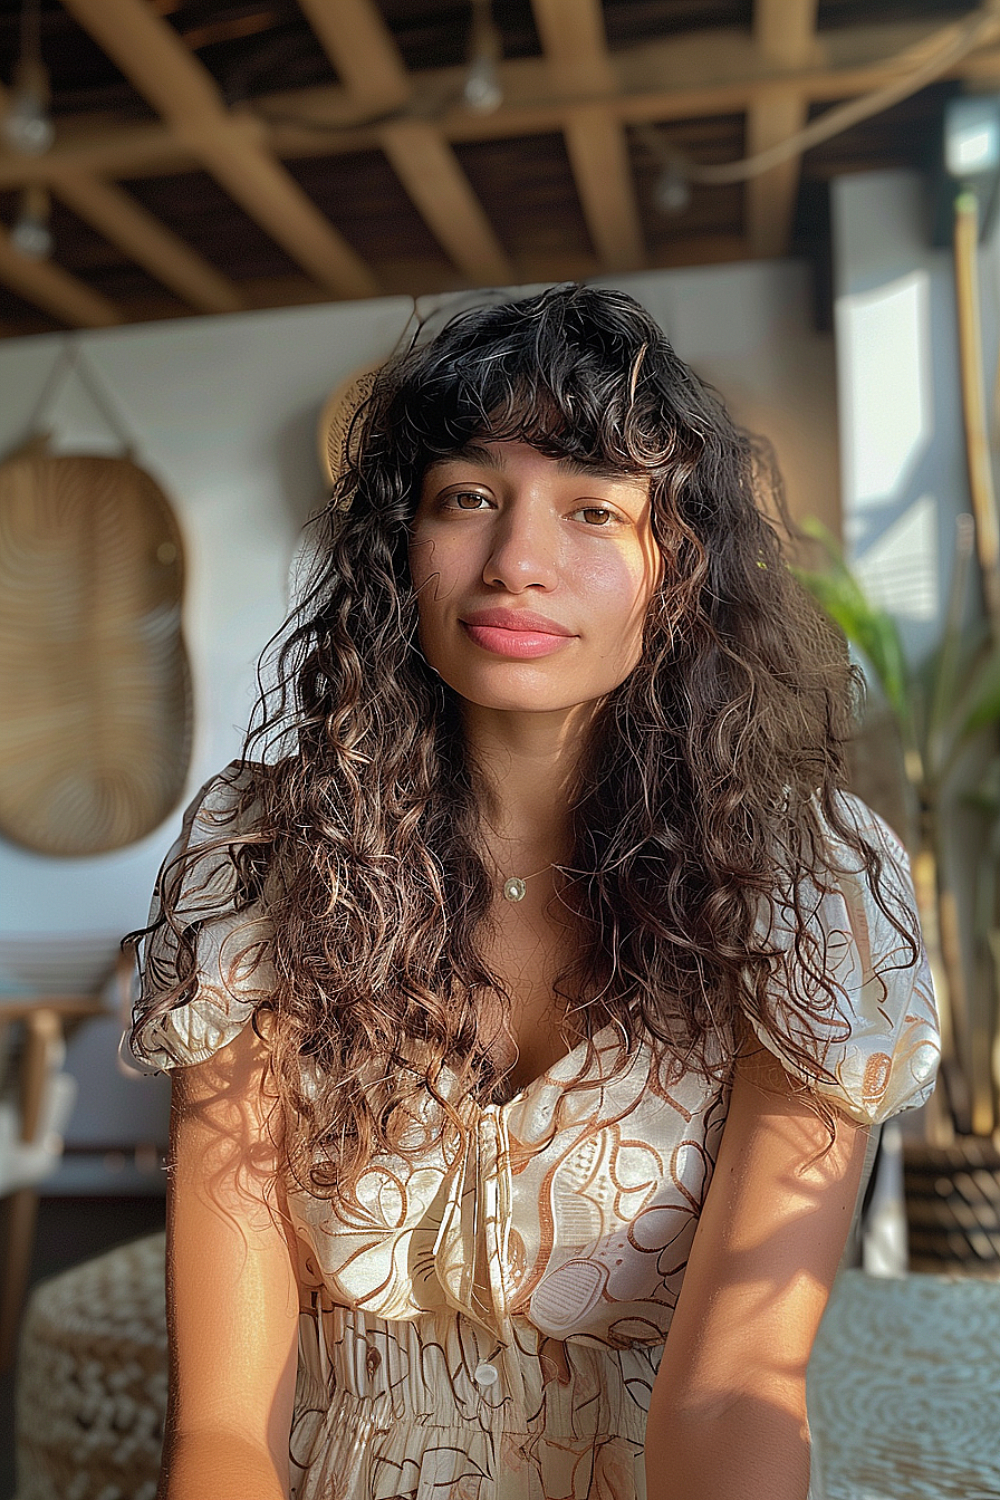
516,633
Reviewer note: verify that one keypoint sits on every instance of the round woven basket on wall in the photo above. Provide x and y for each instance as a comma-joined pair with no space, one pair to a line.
953,1206
95,731
336,416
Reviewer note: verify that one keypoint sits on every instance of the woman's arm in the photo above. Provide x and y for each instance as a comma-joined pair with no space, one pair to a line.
727,1419
232,1301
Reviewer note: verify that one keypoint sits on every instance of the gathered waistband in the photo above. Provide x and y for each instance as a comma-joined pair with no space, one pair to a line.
443,1370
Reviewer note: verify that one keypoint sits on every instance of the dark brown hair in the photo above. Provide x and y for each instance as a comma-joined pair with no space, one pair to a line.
701,795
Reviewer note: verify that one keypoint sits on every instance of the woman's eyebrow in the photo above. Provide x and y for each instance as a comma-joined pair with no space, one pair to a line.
579,468
471,453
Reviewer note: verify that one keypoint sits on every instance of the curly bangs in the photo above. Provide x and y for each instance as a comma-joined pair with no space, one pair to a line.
574,371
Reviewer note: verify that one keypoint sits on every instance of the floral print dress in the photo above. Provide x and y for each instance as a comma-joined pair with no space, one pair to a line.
487,1325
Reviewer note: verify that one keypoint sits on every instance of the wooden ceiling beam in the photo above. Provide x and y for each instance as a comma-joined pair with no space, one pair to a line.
151,54
576,51
257,181
574,44
598,154
677,78
785,34
54,290
433,178
364,52
362,49
148,243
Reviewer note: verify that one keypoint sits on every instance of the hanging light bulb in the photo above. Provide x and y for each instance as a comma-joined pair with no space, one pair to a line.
482,91
672,185
30,232
27,125
671,190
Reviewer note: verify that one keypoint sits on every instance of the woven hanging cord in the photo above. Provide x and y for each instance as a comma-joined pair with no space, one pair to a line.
71,361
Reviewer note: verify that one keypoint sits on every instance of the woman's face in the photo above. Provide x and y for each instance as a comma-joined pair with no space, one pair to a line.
533,575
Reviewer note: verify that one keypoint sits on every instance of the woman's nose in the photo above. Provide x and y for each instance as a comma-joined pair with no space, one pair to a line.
523,552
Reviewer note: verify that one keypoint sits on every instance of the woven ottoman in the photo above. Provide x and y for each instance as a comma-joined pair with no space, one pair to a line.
92,1379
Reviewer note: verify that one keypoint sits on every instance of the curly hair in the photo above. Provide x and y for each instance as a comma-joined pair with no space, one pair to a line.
701,795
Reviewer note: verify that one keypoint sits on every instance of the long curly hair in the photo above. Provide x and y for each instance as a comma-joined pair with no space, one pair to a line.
700,797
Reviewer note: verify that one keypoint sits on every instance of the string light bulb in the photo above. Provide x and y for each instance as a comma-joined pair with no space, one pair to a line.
672,190
30,232
483,91
27,125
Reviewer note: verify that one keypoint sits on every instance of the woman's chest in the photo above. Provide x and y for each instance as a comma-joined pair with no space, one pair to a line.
571,1207
535,954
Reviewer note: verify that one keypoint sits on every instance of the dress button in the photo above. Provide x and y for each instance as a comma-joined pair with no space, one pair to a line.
485,1374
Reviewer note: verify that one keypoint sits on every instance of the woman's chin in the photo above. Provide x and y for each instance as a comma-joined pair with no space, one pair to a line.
490,700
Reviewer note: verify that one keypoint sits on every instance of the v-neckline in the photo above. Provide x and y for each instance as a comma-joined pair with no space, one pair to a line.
545,1075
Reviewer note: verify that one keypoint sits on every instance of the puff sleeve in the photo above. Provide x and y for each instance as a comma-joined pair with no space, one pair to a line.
229,935
880,1041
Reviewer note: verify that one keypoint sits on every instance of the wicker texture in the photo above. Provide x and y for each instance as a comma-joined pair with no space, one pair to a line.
96,728
336,417
904,1389
92,1379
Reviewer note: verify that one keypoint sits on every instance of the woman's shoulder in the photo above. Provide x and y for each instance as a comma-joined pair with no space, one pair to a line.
228,798
851,986
205,960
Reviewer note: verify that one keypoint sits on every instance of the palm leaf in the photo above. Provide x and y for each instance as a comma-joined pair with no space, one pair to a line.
872,631
981,703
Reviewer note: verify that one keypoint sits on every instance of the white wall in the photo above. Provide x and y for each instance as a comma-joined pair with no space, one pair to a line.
223,412
905,479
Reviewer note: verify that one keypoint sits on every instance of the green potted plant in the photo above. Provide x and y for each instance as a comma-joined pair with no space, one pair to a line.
945,716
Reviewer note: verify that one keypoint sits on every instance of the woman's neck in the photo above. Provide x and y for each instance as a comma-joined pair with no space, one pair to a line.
529,762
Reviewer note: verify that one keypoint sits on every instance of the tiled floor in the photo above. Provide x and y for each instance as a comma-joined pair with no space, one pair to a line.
71,1230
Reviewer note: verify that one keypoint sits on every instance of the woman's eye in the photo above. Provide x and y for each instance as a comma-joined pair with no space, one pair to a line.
471,496
598,515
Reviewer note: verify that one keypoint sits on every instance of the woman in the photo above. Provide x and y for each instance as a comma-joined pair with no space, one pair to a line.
535,983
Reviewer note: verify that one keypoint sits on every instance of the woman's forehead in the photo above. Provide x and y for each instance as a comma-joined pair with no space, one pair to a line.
487,452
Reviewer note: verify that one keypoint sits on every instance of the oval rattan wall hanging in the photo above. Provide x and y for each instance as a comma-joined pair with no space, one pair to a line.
95,731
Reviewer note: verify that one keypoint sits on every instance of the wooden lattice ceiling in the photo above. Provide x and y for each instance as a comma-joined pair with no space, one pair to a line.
213,155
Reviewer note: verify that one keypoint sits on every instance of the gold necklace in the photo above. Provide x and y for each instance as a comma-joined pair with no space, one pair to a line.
515,886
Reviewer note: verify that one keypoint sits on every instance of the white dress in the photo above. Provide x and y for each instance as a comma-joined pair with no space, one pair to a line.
569,1217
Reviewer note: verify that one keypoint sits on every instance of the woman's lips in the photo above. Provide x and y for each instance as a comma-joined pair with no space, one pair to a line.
522,644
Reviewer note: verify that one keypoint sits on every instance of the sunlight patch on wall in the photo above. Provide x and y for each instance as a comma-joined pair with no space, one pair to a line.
899,571
885,341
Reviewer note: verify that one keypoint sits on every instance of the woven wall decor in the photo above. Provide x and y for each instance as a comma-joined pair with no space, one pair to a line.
95,730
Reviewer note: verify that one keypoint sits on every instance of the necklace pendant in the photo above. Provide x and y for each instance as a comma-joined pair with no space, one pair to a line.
514,888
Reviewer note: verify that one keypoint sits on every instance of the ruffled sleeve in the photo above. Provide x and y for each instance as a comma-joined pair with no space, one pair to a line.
227,930
878,1037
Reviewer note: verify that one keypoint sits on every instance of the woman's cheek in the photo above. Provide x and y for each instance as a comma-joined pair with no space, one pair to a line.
423,567
618,587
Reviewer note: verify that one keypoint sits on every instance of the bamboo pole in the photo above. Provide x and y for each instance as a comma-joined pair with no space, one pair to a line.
984,1033
984,504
